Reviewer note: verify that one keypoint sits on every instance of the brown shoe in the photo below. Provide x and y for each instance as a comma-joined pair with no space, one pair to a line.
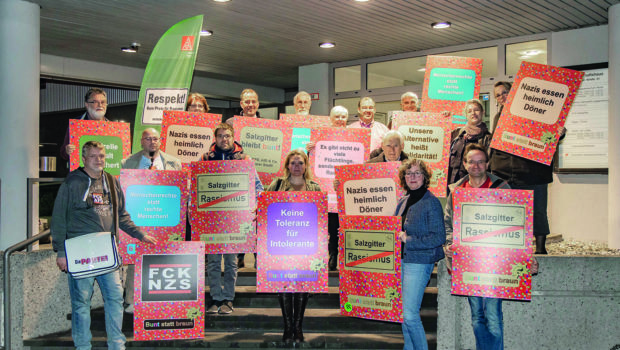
226,308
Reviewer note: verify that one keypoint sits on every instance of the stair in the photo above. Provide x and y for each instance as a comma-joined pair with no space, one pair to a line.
257,323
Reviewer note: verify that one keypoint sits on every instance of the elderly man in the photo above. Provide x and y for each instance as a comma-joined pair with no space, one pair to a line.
486,313
224,148
151,157
409,102
96,103
366,112
90,200
302,103
391,149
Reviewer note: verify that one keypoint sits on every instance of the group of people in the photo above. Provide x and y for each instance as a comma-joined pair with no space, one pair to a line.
84,204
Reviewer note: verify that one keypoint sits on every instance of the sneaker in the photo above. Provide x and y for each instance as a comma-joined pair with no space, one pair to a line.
226,308
213,308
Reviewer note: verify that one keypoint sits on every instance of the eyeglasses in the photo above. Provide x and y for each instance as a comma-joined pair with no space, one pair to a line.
197,106
151,139
100,103
501,94
477,162
414,174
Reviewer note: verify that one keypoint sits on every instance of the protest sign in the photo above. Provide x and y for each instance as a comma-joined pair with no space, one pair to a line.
427,137
370,268
492,247
169,291
368,189
535,110
302,125
449,82
292,242
156,200
188,135
333,147
223,203
267,142
113,135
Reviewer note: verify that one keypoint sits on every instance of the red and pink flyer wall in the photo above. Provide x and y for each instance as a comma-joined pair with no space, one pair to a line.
292,242
492,249
169,291
370,268
222,205
156,200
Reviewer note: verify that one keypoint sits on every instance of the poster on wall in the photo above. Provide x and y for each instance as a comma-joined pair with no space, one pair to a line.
223,204
427,137
168,76
292,242
535,111
368,189
156,200
449,82
492,247
585,147
267,142
169,291
370,268
333,147
188,135
113,135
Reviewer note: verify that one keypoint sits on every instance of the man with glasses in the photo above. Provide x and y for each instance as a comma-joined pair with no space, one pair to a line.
96,103
223,292
151,157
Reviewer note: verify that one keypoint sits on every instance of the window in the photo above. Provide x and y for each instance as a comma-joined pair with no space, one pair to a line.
347,78
488,55
408,71
531,51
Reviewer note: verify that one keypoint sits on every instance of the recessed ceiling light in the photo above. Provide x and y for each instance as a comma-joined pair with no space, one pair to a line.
206,32
221,0
361,0
327,45
440,25
133,48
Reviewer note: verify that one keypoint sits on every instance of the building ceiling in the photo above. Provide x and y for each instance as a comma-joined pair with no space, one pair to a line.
263,42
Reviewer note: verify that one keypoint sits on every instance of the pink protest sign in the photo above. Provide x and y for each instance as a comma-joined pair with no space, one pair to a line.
188,135
267,142
157,202
536,110
169,291
492,248
368,189
113,135
292,242
449,82
307,121
333,147
427,137
223,203
369,265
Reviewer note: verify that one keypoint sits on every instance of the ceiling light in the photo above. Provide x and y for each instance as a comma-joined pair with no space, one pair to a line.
221,0
422,69
327,45
361,0
206,32
133,48
440,25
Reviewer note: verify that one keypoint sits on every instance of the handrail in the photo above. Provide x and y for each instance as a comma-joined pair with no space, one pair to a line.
7,281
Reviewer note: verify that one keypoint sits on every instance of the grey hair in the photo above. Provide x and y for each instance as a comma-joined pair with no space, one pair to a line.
393,134
300,94
337,110
409,93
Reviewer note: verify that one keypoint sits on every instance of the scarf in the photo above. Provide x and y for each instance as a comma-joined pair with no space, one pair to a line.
472,131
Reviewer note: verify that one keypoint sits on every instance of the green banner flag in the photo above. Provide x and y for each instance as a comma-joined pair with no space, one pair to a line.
168,76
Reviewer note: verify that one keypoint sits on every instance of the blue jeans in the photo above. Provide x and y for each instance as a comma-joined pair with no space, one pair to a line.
487,321
81,292
415,277
214,270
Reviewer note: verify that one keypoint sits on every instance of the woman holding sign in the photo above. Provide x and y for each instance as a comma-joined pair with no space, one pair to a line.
475,131
424,235
297,177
